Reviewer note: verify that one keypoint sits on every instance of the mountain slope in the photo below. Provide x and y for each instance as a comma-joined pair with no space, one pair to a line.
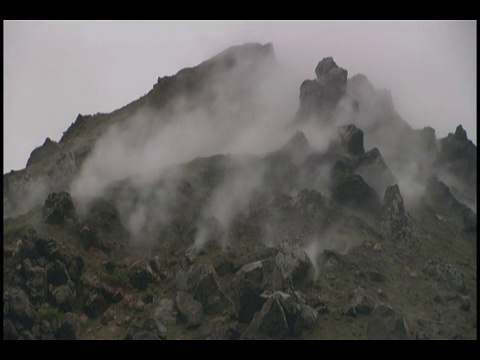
170,234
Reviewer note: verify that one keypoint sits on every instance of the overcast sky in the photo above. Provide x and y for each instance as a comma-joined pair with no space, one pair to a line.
54,70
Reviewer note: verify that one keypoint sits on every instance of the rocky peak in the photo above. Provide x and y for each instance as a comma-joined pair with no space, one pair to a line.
460,133
48,148
395,222
320,96
329,74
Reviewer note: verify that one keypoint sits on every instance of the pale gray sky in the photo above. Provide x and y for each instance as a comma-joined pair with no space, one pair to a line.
54,70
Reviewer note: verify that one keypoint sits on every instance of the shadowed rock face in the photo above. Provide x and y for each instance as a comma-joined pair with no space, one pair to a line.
349,140
351,190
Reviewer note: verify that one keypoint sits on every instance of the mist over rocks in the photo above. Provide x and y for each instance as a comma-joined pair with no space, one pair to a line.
233,201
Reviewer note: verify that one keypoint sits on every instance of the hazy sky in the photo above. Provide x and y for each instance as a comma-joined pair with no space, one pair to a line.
54,70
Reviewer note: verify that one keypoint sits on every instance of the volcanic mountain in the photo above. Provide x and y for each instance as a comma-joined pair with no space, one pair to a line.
217,206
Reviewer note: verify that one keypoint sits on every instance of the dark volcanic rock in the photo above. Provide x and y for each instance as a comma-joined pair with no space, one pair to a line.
141,274
349,140
146,328
320,96
201,281
57,273
59,208
375,171
351,190
439,197
396,223
250,282
95,304
63,296
331,76
69,327
269,323
387,324
458,156
17,306
36,281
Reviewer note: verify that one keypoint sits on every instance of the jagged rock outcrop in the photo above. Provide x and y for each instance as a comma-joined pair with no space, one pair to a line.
141,274
59,208
349,140
201,281
281,315
189,309
270,322
351,190
456,161
387,324
319,97
250,282
296,267
396,223
438,196
48,148
373,169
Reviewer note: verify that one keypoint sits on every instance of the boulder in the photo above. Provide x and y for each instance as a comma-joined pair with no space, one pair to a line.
395,222
141,274
200,280
359,303
69,327
146,328
295,265
17,306
63,297
387,324
59,208
36,283
190,310
57,273
268,323
165,312
94,304
446,274
250,282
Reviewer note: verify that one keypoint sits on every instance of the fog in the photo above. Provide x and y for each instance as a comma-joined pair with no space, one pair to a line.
54,70
415,80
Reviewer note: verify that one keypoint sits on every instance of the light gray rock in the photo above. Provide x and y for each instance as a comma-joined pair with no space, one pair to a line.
190,310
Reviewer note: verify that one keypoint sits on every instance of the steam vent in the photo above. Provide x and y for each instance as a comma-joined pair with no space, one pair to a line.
209,208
